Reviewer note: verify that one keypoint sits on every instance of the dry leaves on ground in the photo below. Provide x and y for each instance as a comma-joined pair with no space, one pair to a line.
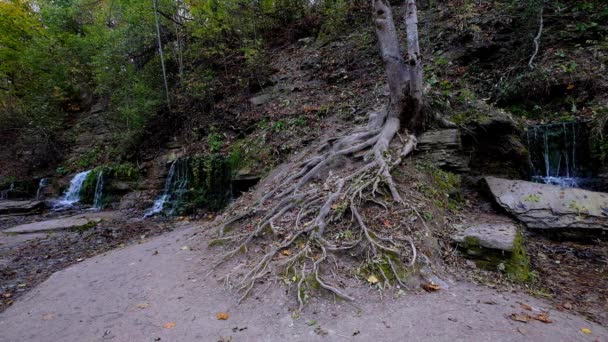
222,316
431,287
169,325
525,318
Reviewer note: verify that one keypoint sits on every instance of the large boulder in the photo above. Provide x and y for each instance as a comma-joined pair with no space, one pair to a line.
20,207
544,206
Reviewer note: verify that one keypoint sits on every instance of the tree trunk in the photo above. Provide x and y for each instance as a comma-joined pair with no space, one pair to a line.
404,79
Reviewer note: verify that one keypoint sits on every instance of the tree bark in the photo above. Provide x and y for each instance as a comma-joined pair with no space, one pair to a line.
404,78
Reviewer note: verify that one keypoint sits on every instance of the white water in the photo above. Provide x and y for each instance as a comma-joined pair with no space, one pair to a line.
159,203
4,193
556,145
43,182
72,195
97,203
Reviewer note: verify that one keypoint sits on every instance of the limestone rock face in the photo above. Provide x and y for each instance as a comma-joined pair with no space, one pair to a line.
498,236
444,149
544,206
15,207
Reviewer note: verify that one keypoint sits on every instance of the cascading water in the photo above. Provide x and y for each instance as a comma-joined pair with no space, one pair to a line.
555,154
4,193
72,194
175,186
97,200
41,185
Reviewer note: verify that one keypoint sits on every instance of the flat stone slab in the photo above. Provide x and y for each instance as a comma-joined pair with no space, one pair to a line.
15,207
62,223
545,206
499,236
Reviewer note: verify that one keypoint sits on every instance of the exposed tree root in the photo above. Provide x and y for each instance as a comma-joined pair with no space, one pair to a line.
320,191
298,211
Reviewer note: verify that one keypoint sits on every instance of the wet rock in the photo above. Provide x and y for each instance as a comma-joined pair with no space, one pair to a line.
62,223
497,236
20,207
544,206
444,149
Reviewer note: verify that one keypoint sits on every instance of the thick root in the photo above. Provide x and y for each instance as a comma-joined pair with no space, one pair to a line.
308,213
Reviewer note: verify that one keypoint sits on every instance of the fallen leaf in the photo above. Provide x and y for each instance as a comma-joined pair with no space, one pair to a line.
520,317
586,331
48,317
169,325
222,316
334,206
526,307
7,295
142,305
543,317
286,252
431,287
570,86
372,279
567,305
185,248
387,223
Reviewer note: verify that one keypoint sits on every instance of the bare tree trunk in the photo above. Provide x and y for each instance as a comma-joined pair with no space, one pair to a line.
414,63
160,51
404,78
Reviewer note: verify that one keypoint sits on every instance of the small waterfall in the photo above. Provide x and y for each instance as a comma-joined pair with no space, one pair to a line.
175,186
4,193
41,185
97,200
72,194
554,154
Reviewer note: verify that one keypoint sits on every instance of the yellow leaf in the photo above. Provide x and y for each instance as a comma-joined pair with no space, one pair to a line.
222,316
372,279
142,305
169,325
334,206
430,287
570,86
586,331
286,252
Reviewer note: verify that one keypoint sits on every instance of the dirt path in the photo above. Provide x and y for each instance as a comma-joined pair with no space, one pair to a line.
160,291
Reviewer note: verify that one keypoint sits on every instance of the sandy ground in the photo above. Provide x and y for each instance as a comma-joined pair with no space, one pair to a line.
160,290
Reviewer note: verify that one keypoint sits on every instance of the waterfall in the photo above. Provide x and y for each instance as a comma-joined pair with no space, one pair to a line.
97,201
553,154
4,193
175,186
72,194
41,184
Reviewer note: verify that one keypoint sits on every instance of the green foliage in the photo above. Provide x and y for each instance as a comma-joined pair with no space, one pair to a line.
215,141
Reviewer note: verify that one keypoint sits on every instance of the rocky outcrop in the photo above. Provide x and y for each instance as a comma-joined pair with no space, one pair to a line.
543,206
497,236
444,149
20,207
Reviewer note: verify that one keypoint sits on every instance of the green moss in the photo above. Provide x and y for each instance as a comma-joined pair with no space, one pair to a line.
87,226
211,182
443,189
87,192
518,266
